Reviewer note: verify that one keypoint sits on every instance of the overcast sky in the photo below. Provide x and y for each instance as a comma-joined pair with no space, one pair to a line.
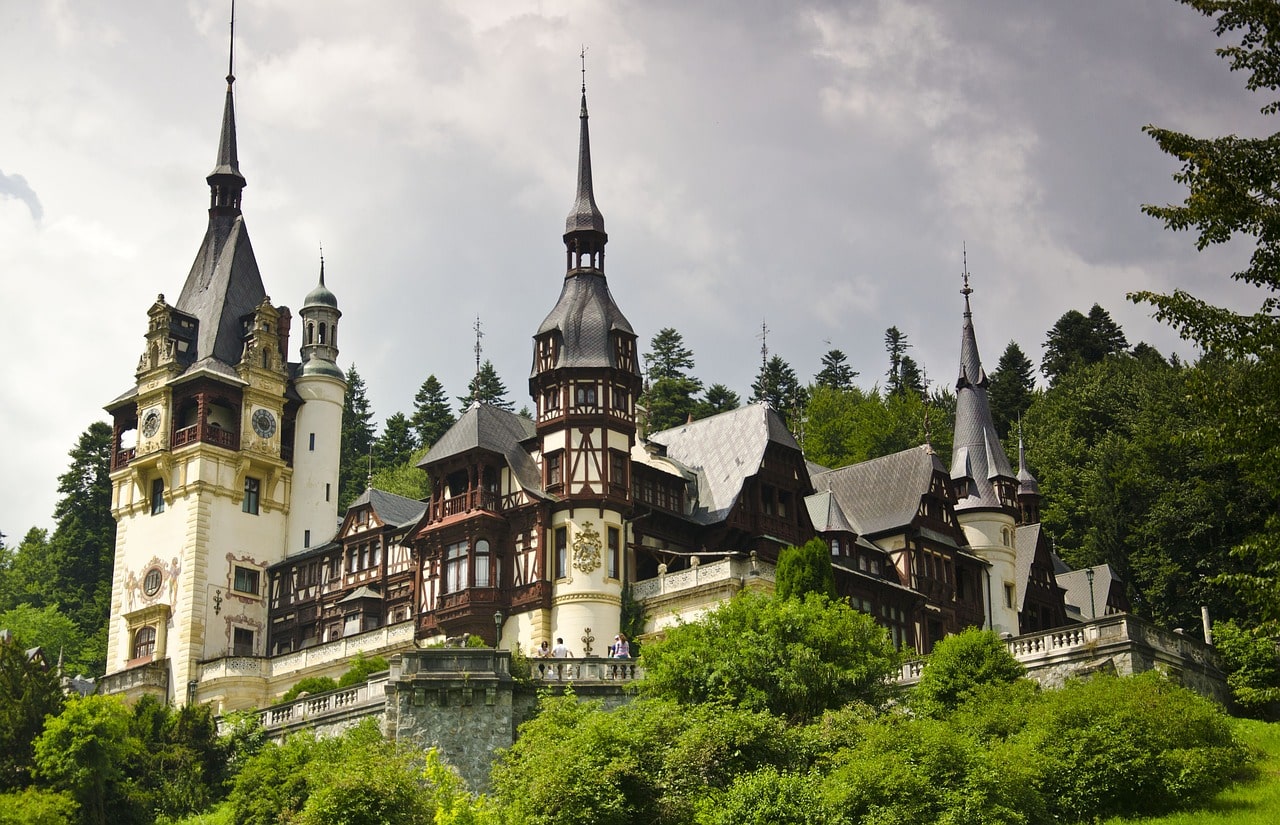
813,166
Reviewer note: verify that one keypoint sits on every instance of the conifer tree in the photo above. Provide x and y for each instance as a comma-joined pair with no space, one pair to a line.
670,398
487,388
836,373
1077,340
396,444
895,343
432,415
357,440
1012,388
777,384
717,399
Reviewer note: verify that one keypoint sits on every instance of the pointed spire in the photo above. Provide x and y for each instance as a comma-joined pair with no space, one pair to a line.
225,181
971,372
585,216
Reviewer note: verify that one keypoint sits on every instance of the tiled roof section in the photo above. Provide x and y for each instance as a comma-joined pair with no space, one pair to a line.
586,316
362,592
724,450
826,515
1025,541
486,427
884,493
585,215
1076,583
976,452
223,286
392,509
1027,484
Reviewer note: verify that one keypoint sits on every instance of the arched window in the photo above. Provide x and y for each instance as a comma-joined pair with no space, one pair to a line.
322,332
311,333
483,560
144,642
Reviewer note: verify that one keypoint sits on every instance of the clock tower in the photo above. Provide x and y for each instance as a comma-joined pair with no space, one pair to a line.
210,445
584,383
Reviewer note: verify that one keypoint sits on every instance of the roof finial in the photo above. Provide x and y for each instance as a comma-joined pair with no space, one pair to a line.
478,347
231,50
764,344
321,263
583,55
966,290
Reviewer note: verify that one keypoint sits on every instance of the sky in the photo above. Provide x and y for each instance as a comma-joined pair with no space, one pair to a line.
813,167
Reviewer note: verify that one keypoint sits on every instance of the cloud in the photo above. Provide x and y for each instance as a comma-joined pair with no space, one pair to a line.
16,186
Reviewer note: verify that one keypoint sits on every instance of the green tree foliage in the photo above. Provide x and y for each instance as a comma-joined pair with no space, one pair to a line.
34,806
357,440
1012,388
958,666
671,395
777,385
310,684
904,376
356,778
48,628
84,751
717,399
847,427
30,691
27,571
790,657
1128,482
647,763
805,569
1252,664
1232,194
767,797
836,374
361,669
1077,340
397,443
432,417
487,388
405,479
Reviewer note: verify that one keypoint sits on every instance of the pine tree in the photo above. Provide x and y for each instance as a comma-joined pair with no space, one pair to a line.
910,377
1077,340
778,385
432,415
895,343
671,397
1012,388
836,373
396,444
487,388
357,440
717,399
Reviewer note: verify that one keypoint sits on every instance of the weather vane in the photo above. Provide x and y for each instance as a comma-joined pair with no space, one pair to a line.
583,55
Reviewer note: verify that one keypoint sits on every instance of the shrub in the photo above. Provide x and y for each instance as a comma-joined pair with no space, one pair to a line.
311,684
766,797
361,669
960,664
38,807
805,569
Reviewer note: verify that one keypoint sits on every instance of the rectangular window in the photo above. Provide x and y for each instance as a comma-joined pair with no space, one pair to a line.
306,538
246,580
157,496
615,551
1008,595
250,505
562,552
312,444
618,469
326,491
241,641
554,475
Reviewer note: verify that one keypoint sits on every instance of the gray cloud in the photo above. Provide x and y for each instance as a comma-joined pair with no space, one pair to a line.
16,186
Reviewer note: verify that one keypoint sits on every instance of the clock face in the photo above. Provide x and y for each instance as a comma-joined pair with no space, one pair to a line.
264,423
151,423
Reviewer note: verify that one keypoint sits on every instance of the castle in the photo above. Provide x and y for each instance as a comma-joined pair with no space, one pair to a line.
235,574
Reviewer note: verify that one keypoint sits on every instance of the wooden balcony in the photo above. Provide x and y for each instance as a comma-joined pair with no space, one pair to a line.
208,434
471,501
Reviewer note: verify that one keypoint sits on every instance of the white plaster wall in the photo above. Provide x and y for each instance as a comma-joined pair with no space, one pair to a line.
983,531
321,413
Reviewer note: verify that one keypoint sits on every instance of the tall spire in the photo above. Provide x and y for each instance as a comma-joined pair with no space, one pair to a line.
225,181
584,234
977,455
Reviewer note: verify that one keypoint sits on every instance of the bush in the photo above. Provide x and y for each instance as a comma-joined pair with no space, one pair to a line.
38,807
959,665
1113,746
311,684
361,669
766,797
805,569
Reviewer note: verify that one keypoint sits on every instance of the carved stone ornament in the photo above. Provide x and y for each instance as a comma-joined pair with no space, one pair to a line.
586,549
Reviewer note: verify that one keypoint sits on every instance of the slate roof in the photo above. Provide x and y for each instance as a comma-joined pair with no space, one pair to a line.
826,515
223,286
584,215
724,451
393,509
976,453
884,493
486,427
1025,540
1076,583
586,316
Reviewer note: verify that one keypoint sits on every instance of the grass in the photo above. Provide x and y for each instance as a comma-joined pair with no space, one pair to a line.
1254,801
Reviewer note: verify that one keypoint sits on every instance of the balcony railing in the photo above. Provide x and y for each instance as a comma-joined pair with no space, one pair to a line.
467,502
369,695
209,434
698,575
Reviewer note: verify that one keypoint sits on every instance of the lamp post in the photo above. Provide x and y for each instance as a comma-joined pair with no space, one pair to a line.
497,628
192,687
1093,611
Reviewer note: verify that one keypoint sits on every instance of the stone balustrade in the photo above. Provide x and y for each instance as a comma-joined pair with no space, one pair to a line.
375,641
323,709
148,678
593,670
699,575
